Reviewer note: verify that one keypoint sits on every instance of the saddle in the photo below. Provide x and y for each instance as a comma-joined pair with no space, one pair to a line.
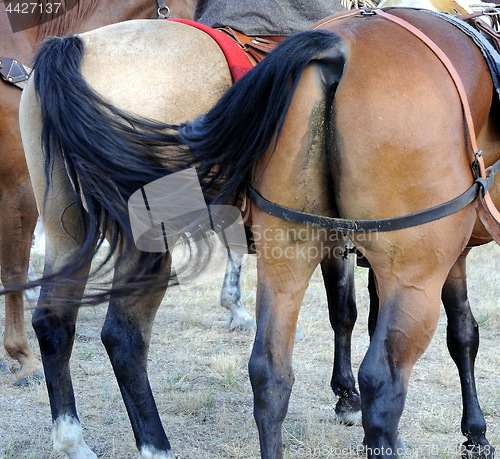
255,48
489,30
241,51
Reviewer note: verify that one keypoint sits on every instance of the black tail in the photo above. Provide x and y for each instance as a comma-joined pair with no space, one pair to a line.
108,154
246,121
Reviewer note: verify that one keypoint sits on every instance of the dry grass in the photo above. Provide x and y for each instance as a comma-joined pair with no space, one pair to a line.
198,373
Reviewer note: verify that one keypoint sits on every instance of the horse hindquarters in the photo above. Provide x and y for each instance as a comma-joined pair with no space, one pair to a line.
195,75
394,138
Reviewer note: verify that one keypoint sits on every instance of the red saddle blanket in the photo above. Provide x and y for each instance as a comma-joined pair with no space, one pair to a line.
236,58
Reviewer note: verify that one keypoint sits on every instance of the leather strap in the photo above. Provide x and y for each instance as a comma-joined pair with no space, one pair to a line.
487,212
383,225
256,48
479,188
13,72
487,30
335,18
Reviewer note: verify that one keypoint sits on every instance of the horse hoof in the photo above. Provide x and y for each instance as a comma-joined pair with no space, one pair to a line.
4,368
348,409
241,324
480,450
29,380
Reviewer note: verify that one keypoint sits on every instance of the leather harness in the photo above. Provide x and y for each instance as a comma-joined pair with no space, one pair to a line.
12,71
483,177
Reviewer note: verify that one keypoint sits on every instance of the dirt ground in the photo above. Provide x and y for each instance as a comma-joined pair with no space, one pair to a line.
198,374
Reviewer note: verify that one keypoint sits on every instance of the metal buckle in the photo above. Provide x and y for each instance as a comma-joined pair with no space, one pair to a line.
163,7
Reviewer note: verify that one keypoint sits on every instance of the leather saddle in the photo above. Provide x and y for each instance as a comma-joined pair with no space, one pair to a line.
256,48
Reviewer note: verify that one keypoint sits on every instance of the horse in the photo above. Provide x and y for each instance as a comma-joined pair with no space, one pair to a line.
17,204
133,315
330,145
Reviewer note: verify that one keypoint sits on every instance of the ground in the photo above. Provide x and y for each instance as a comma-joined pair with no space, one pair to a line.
199,377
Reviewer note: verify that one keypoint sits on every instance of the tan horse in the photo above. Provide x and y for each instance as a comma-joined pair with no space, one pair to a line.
180,53
17,203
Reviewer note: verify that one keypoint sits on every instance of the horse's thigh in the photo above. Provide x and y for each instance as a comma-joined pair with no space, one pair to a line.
55,201
287,255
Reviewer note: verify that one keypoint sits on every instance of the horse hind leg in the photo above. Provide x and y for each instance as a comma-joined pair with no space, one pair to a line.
338,276
463,343
17,224
31,295
398,341
126,336
54,319
270,365
54,325
230,296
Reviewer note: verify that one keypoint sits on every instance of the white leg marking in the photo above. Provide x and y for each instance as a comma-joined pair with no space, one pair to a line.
350,418
32,294
230,294
151,453
67,438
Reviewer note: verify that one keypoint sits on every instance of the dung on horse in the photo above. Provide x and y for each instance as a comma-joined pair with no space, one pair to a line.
17,203
307,168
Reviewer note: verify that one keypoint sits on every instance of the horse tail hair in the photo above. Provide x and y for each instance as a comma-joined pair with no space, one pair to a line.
247,120
108,154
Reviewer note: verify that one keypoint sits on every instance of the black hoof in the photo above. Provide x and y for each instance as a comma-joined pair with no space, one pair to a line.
348,409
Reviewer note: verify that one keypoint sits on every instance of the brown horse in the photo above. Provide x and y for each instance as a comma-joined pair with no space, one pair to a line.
17,203
331,145
298,248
